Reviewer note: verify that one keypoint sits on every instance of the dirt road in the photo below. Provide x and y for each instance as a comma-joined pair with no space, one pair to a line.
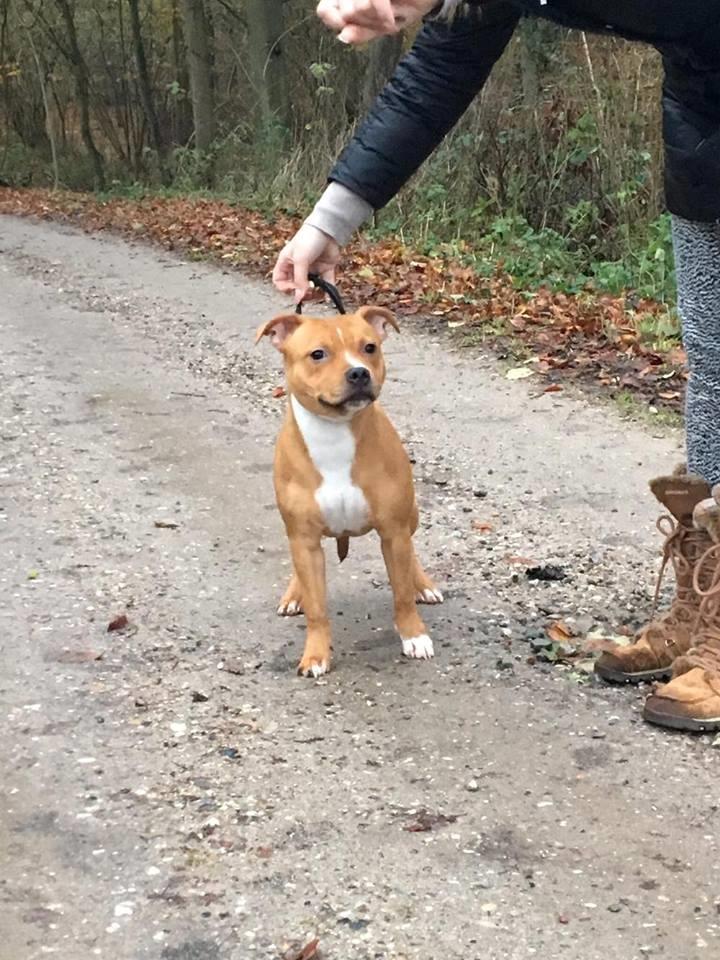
156,804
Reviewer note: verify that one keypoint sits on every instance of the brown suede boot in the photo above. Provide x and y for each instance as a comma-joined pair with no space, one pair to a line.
691,701
657,646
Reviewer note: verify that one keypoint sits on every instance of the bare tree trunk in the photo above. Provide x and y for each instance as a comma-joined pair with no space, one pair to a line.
181,114
197,42
265,19
145,86
529,66
82,88
382,58
61,110
42,80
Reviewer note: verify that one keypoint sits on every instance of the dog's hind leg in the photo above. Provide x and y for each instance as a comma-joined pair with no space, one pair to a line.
291,603
425,589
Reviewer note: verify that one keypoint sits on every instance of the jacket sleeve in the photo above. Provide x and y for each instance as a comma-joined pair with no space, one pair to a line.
691,126
432,87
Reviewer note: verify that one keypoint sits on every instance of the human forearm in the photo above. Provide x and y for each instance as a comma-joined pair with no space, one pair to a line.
430,90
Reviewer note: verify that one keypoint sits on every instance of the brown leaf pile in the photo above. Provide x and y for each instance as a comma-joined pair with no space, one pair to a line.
590,339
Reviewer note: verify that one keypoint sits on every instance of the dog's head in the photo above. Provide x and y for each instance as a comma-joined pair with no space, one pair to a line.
334,366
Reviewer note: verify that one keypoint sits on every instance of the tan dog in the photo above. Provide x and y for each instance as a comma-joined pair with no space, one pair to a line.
341,471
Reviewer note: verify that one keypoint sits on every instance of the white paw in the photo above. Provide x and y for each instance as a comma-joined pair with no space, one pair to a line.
418,648
429,596
315,670
291,609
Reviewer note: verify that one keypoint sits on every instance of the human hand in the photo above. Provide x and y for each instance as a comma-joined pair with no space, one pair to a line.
309,251
357,21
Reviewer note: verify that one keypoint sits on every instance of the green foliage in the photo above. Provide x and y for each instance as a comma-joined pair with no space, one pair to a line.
546,257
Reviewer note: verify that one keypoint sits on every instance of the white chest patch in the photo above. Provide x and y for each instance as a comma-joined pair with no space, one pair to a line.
331,446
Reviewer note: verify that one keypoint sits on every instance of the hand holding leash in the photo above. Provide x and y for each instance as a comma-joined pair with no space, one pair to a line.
309,251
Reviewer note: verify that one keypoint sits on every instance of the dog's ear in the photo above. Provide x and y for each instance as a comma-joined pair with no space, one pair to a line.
279,329
380,318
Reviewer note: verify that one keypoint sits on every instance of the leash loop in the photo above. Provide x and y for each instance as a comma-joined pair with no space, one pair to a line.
330,289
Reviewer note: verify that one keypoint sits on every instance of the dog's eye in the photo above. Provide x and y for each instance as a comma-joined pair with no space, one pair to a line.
370,348
318,355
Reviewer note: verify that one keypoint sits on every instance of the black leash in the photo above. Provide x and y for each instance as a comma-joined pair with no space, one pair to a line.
330,289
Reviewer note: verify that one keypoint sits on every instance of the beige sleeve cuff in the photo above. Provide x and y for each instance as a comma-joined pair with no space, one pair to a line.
339,212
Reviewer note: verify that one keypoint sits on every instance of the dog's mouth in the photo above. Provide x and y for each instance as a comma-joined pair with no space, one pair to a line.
358,398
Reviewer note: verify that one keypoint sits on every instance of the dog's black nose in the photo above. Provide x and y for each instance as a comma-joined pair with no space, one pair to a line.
358,376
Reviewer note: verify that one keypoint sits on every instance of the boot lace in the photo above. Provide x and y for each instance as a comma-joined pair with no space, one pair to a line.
705,653
681,550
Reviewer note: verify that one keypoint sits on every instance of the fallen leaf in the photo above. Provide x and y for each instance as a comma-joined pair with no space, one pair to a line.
482,527
424,822
553,388
166,525
279,392
119,623
308,952
264,853
32,575
559,632
518,373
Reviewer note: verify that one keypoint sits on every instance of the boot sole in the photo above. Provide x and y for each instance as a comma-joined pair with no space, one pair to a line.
687,724
617,676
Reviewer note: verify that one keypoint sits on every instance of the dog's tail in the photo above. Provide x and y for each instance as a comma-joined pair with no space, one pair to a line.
343,547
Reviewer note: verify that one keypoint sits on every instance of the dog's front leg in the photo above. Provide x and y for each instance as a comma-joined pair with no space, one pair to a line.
309,562
401,566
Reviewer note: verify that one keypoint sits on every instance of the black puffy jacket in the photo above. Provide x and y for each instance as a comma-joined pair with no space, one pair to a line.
449,63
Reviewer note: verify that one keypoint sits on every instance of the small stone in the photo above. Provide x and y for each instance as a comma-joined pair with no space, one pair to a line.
540,644
472,786
199,697
233,665
548,573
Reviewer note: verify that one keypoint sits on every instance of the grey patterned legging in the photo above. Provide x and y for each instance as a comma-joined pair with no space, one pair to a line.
697,257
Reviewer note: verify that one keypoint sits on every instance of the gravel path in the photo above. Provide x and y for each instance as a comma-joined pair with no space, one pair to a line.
172,791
